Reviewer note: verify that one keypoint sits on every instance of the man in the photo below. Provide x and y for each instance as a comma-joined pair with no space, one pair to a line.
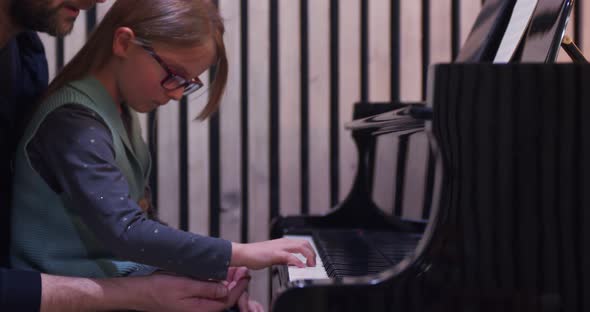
24,77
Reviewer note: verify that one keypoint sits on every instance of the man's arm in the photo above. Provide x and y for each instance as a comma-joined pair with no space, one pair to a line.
157,292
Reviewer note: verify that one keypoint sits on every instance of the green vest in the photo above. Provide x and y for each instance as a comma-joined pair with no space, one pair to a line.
48,234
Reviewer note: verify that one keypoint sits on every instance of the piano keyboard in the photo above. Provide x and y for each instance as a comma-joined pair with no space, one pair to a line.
316,272
353,253
360,252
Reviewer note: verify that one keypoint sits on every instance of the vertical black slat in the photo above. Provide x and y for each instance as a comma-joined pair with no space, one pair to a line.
244,117
584,185
183,164
334,103
429,184
430,169
402,157
578,214
578,30
59,52
274,110
364,51
214,166
395,44
304,6
455,28
214,175
425,44
90,20
402,152
153,139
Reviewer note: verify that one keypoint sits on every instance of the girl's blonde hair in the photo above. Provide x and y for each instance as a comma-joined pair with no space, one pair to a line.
173,22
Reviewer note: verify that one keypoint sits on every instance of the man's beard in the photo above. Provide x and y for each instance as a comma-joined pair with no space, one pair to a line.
37,15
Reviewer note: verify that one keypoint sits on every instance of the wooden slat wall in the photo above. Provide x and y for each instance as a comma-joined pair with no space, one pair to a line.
318,110
349,70
289,100
259,132
278,145
230,151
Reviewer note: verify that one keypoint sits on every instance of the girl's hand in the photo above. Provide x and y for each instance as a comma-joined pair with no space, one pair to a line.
267,253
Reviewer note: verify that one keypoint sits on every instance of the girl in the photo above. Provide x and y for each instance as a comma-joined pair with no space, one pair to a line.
82,168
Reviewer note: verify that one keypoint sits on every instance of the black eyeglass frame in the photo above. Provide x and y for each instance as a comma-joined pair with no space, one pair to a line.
189,86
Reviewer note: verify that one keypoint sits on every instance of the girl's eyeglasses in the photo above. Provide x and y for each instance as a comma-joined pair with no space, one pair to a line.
172,81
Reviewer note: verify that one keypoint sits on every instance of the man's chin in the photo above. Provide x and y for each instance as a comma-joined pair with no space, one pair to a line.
62,29
66,28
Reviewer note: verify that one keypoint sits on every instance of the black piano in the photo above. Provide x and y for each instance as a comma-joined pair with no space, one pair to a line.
506,227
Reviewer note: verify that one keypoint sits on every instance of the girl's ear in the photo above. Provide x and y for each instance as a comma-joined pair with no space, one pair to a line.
122,41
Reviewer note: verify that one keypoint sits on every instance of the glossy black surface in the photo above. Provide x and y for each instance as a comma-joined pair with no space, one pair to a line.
357,210
493,242
510,227
546,31
362,252
487,32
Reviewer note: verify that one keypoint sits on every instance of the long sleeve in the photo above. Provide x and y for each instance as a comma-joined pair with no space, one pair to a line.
20,290
24,77
73,152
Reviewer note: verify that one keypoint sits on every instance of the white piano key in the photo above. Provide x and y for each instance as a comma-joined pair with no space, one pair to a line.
316,272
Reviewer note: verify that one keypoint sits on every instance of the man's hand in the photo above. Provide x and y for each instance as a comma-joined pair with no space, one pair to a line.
159,292
244,303
247,305
175,293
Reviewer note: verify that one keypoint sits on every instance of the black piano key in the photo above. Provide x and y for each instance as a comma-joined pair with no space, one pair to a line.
358,252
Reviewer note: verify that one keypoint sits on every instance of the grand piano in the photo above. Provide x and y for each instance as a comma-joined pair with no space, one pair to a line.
507,227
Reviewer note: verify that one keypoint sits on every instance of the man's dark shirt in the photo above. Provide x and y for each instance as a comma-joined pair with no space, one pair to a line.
23,77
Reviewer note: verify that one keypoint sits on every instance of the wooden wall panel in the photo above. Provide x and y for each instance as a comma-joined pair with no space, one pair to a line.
289,107
76,39
319,106
380,65
258,141
198,158
379,50
411,64
350,93
230,127
469,11
440,31
411,91
168,166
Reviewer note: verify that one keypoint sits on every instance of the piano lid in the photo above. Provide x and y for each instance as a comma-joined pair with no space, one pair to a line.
548,25
487,32
517,27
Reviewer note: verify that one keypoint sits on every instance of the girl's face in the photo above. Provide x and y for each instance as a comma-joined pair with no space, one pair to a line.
139,77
